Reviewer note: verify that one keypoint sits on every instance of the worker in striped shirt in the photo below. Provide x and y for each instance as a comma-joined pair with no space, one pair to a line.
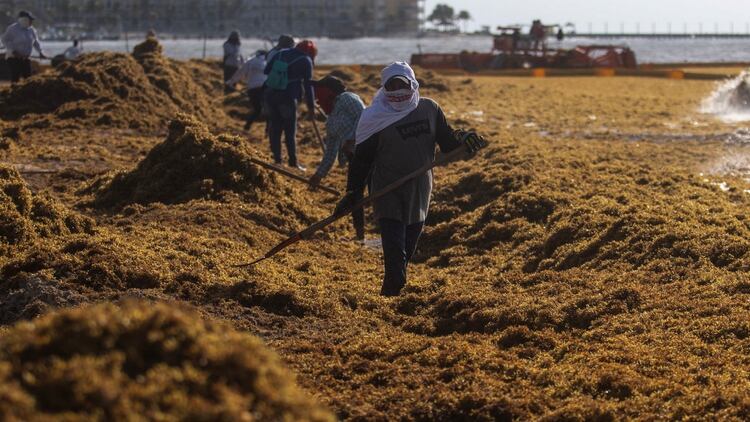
343,109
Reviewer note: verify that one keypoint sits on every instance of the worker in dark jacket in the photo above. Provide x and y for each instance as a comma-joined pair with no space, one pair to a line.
397,135
290,75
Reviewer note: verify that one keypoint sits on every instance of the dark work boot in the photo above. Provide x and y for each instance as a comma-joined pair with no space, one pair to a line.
391,289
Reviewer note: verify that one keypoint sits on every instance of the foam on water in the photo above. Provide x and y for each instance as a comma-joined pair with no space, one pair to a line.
730,101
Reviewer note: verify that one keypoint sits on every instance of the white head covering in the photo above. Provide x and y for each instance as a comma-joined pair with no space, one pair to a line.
381,114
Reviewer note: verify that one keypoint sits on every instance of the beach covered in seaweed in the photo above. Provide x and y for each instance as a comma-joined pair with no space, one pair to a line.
590,264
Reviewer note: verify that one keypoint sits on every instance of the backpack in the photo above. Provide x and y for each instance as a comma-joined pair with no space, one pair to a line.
278,77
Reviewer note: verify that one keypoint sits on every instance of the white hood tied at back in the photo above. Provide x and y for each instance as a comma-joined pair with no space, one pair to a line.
388,107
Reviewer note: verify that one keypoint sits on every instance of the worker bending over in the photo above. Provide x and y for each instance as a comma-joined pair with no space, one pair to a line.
344,109
396,136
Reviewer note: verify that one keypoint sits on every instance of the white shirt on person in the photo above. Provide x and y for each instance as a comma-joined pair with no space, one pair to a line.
19,41
72,53
251,73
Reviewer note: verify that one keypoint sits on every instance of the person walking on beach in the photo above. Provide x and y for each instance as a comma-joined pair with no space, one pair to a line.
232,55
19,39
344,109
252,74
396,135
284,42
538,34
290,74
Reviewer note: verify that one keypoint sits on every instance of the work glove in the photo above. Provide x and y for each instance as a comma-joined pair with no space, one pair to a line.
471,141
346,203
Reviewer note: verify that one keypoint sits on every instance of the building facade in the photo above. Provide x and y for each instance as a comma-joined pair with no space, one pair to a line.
261,18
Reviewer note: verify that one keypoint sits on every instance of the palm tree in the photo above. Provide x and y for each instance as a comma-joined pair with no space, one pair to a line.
443,15
464,16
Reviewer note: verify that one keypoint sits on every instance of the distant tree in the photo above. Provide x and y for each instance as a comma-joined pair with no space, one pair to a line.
464,16
443,15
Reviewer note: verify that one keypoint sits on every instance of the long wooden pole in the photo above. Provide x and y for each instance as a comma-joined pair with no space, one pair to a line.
320,138
291,175
306,233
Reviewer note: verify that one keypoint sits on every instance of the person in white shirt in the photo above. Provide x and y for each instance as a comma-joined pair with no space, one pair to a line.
73,52
232,55
20,39
252,74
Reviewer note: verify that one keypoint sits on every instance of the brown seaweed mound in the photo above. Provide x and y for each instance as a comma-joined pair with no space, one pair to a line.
110,89
143,360
365,80
7,136
25,216
150,46
190,164
549,223
6,144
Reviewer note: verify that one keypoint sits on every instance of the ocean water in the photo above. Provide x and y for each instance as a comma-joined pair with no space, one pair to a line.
386,50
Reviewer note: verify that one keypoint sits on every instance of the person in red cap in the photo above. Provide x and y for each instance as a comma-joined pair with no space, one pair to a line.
290,75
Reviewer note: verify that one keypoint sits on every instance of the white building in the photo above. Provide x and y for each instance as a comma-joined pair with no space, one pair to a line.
267,18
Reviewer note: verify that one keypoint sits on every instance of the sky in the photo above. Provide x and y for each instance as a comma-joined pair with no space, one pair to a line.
616,14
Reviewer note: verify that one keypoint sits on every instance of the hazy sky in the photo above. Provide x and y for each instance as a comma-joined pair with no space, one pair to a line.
613,12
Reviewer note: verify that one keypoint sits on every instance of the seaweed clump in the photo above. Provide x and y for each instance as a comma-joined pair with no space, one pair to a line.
147,360
150,46
139,91
191,163
25,217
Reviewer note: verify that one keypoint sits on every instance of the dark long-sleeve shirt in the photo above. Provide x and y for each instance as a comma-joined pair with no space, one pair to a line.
398,150
300,73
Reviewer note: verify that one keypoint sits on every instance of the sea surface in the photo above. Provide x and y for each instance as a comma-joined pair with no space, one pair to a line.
386,50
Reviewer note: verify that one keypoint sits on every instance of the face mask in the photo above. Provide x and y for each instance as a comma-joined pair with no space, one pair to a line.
399,100
25,22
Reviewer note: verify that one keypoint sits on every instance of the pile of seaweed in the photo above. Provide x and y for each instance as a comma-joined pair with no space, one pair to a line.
110,89
6,143
143,360
191,163
551,223
26,217
365,80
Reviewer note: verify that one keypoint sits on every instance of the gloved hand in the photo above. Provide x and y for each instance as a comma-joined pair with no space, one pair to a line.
471,141
346,203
